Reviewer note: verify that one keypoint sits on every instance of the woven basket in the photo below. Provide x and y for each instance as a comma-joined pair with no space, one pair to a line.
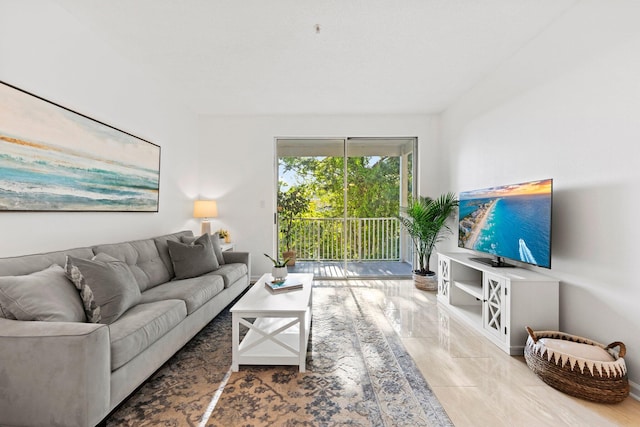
426,283
603,382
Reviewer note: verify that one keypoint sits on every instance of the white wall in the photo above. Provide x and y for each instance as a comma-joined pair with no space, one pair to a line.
238,166
568,107
45,51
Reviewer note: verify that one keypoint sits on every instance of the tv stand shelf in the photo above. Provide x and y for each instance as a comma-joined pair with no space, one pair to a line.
472,288
498,302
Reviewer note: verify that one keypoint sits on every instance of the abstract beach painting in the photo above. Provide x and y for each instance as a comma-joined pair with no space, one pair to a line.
54,159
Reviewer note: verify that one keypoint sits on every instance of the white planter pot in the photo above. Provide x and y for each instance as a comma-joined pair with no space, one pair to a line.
279,273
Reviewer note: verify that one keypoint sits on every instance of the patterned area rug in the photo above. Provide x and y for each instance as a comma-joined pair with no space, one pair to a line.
358,374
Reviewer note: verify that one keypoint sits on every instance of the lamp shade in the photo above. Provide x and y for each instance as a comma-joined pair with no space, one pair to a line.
205,209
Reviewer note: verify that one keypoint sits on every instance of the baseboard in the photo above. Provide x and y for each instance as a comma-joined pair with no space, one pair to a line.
634,390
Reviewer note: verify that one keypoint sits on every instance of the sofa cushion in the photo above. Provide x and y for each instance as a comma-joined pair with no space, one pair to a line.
107,286
163,248
45,295
141,326
143,259
230,273
192,259
194,292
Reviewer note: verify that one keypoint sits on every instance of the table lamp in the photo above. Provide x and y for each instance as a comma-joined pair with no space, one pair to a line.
205,209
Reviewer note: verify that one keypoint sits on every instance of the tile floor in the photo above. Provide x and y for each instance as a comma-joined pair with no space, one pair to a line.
478,384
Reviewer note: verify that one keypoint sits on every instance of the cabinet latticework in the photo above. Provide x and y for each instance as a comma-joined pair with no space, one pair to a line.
494,304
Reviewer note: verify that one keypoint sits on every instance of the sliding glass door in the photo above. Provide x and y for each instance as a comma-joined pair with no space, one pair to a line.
338,203
310,217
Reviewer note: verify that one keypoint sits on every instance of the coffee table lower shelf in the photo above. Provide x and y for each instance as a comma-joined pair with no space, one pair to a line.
274,341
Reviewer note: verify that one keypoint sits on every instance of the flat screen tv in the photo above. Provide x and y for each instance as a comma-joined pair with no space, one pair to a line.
509,221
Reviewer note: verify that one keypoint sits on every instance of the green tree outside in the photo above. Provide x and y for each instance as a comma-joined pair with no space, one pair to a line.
373,191
373,185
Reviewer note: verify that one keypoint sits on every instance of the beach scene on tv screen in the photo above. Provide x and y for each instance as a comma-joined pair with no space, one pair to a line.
511,221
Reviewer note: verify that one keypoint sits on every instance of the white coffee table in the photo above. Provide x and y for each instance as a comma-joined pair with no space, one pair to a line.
280,332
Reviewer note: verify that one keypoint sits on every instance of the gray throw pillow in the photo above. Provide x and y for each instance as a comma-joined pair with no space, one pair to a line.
215,242
218,250
192,260
107,286
45,295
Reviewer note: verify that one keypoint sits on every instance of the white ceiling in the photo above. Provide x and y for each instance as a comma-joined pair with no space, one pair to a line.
266,57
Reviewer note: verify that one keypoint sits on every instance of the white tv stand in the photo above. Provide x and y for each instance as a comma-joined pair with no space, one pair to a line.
498,302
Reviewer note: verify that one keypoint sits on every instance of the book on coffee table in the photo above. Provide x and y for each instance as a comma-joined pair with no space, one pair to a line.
283,286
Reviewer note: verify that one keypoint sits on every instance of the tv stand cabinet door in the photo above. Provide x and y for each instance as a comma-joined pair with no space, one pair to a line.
494,306
444,279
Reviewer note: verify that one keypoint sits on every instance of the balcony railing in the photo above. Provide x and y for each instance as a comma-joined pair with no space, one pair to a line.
361,239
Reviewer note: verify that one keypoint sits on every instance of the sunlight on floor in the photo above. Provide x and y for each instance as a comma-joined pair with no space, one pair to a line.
477,383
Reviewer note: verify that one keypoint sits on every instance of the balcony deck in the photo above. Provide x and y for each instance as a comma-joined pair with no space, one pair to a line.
361,269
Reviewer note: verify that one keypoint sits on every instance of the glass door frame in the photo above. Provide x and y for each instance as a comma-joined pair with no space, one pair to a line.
406,250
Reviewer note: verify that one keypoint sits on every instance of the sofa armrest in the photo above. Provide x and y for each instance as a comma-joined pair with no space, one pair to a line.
241,257
54,373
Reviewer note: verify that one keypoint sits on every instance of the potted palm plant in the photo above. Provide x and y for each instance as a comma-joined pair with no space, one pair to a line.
425,220
291,204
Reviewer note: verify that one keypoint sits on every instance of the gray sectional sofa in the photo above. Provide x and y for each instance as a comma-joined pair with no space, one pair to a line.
73,372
